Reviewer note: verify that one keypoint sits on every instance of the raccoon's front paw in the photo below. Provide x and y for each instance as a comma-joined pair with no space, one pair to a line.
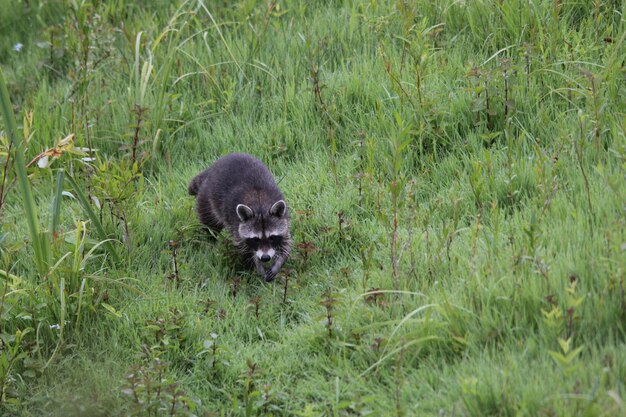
260,269
270,275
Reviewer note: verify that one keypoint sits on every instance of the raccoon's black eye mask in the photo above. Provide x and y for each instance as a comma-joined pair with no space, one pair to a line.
275,239
253,242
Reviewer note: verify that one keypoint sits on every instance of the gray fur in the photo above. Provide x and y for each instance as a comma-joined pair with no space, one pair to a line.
238,193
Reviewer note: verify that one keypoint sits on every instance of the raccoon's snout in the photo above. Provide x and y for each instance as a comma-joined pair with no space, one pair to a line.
265,256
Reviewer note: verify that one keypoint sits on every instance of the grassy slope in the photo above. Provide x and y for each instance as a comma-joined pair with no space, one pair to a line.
501,250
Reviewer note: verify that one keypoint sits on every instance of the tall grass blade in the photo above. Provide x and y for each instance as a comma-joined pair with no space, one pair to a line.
40,241
419,341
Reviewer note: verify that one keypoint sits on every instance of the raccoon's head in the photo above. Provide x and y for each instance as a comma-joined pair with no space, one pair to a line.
263,232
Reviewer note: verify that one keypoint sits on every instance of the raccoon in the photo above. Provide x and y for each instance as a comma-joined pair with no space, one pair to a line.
239,194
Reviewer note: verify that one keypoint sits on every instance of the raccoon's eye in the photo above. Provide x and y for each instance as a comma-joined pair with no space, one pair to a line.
253,241
275,238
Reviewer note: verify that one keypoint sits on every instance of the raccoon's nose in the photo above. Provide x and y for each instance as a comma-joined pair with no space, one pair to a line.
265,257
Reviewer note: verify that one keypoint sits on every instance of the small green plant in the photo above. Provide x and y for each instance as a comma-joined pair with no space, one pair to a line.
95,220
250,392
174,276
398,145
572,302
210,346
72,273
306,249
565,358
115,186
329,301
286,273
166,333
12,355
532,233
153,393
235,282
505,65
255,304
482,104
560,319
341,221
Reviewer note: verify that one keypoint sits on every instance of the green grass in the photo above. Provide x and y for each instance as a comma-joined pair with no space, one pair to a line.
455,178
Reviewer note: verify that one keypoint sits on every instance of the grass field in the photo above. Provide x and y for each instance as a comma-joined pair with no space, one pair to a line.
456,179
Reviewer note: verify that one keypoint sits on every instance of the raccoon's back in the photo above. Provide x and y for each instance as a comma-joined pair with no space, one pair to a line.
235,179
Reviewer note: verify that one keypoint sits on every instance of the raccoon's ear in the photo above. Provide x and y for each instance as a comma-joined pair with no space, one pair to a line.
244,212
279,209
